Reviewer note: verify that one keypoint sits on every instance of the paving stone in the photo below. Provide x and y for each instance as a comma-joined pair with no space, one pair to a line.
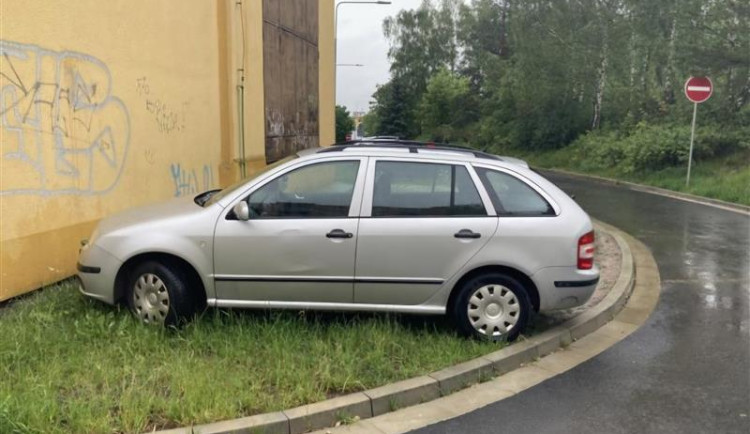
267,423
550,340
563,360
327,413
462,375
403,394
618,329
414,417
587,323
512,357
522,378
633,315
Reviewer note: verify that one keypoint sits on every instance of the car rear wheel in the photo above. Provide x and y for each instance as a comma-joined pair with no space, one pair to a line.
492,306
159,294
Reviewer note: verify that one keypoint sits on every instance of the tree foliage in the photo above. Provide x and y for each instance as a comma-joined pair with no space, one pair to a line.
344,123
441,111
537,74
394,113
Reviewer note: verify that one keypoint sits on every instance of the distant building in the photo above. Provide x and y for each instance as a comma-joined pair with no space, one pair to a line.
358,126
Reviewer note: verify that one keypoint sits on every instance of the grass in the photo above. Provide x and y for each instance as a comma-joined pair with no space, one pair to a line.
726,178
69,364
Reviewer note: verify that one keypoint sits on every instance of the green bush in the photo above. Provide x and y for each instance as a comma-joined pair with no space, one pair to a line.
650,147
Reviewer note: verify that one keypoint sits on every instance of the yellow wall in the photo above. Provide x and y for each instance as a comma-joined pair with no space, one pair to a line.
243,59
115,104
326,113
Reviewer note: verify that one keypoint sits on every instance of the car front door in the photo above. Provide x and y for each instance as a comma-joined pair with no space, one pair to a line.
421,222
299,243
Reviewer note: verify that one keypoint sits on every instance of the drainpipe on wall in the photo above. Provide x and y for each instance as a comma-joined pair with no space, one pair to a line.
241,99
241,120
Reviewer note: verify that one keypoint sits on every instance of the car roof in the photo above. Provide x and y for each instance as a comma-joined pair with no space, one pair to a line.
413,146
413,149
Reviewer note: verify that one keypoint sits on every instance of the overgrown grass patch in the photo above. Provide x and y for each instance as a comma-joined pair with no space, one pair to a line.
74,365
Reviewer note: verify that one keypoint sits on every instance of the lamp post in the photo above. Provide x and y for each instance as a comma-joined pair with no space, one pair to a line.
336,35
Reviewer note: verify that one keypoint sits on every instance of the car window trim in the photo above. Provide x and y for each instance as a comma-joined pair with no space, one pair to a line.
525,179
354,205
366,211
483,193
533,186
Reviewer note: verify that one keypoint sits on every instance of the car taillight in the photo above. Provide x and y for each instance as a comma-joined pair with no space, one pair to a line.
586,251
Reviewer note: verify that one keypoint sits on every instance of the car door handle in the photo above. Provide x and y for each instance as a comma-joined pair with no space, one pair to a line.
339,233
467,233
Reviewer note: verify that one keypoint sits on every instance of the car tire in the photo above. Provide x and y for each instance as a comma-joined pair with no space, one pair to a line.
160,294
492,306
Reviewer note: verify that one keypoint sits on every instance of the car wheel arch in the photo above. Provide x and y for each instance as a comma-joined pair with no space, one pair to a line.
520,276
167,259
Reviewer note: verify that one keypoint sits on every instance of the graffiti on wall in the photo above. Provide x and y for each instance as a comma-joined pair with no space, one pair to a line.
167,117
191,181
64,132
287,136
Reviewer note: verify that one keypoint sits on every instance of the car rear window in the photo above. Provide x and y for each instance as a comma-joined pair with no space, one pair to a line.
404,189
511,196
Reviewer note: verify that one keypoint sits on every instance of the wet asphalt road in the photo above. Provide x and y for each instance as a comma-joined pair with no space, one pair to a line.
687,370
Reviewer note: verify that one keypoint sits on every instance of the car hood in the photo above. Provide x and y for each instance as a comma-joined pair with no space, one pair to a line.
149,215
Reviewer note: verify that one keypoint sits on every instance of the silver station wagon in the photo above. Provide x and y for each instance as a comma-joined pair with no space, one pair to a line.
390,226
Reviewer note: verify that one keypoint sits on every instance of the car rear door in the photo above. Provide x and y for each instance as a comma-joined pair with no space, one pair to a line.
421,222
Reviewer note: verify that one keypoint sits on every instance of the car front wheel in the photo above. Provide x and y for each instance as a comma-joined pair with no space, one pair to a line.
159,294
492,306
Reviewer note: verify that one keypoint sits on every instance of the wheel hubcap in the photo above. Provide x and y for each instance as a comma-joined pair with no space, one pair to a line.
150,299
493,310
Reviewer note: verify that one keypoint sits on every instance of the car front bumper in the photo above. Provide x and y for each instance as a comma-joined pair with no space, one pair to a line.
97,270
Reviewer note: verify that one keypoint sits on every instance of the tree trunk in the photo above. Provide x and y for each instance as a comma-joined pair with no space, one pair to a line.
632,52
504,6
743,97
601,79
668,94
644,76
730,89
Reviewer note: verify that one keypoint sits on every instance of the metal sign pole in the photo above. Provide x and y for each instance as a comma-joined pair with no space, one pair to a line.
692,136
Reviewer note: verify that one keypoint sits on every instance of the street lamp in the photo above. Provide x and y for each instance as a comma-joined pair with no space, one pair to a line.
349,64
336,34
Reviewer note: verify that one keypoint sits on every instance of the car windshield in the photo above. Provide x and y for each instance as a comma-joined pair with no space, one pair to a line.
210,198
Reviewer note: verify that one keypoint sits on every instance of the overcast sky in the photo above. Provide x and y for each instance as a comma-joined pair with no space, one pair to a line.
361,40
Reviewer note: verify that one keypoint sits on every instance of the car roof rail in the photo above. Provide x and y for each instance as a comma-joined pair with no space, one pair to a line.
412,145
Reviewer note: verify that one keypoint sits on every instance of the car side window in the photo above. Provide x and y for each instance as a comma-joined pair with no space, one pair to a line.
511,196
403,189
315,191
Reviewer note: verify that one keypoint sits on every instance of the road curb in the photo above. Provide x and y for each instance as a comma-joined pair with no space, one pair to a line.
391,397
716,203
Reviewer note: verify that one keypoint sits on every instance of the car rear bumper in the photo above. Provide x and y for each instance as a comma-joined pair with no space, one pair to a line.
564,287
96,272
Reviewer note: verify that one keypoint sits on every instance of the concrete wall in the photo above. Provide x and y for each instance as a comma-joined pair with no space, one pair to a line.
290,40
106,106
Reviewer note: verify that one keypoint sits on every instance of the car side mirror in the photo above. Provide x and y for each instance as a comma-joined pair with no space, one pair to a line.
242,211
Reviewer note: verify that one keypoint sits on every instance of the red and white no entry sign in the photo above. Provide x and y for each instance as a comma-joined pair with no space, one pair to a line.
698,89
